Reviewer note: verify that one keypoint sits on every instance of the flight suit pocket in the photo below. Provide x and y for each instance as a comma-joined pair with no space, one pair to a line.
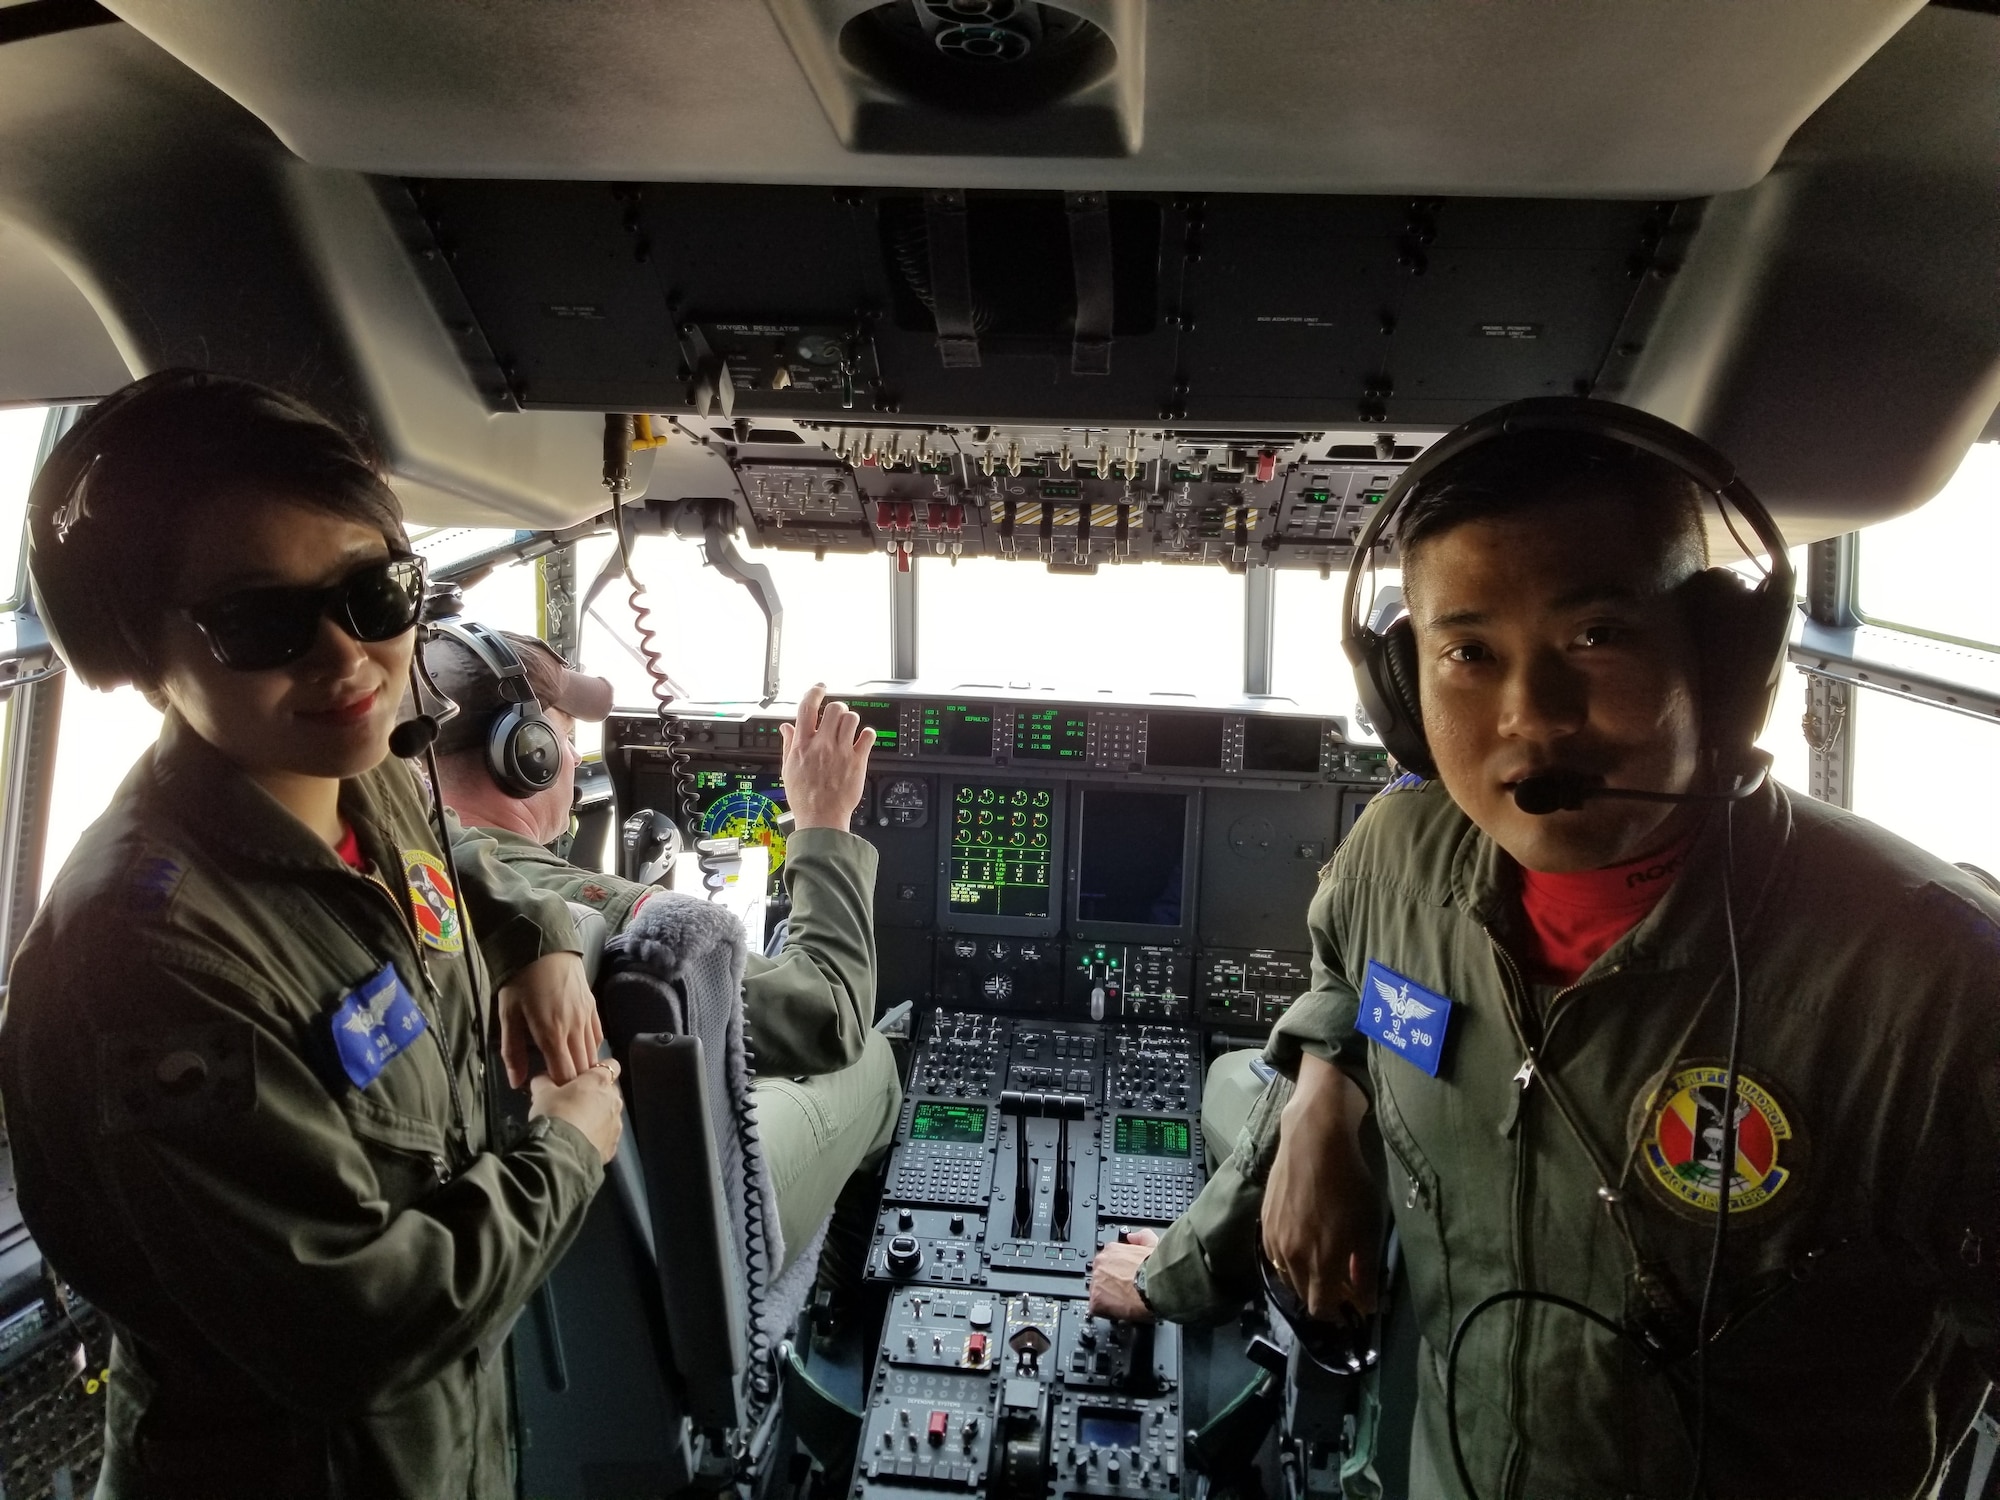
1415,1199
406,1151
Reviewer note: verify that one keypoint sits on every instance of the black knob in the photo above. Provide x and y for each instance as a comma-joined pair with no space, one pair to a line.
905,1219
957,1224
904,1255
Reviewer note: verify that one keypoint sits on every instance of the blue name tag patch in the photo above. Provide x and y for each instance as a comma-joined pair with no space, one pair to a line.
1403,1016
375,1021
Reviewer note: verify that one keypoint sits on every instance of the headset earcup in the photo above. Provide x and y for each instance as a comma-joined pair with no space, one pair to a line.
1387,684
523,751
1741,633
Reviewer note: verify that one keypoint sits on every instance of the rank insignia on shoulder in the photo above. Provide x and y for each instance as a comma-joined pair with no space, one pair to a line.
1403,1016
178,1075
433,902
152,884
374,1022
592,894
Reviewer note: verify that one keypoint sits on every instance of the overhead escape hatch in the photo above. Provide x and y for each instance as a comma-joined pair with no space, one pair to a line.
974,77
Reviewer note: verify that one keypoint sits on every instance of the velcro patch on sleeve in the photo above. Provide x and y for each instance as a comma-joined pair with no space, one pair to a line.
160,1077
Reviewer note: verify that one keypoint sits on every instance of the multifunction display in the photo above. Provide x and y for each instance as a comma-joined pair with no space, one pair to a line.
1149,1135
744,805
964,729
885,718
1056,734
1185,741
951,1122
1131,858
1002,838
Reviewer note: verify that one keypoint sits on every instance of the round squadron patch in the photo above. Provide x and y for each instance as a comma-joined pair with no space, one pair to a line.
1682,1144
433,902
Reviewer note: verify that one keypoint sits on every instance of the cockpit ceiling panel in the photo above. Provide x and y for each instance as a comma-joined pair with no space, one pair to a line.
1564,98
1226,308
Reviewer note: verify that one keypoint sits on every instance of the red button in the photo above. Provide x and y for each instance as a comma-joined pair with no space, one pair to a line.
939,1421
975,1349
1267,465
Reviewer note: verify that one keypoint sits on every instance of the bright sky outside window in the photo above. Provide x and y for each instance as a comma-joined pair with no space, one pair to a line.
1932,570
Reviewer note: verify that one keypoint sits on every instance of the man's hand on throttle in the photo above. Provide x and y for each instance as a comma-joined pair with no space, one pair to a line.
1322,1225
826,761
549,1004
590,1101
1113,1294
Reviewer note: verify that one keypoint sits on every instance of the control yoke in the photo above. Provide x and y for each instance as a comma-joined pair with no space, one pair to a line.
711,522
717,521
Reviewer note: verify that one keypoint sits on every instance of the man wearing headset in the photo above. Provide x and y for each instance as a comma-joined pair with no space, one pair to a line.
827,1090
1539,961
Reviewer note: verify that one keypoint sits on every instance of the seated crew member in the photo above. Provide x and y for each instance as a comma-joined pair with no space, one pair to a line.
1579,968
827,1090
242,1054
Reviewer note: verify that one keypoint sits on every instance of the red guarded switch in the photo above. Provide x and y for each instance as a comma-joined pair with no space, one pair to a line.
1267,466
938,1423
975,1349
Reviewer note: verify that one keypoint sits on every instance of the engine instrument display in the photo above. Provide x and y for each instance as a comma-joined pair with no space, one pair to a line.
933,1121
1002,838
1148,1135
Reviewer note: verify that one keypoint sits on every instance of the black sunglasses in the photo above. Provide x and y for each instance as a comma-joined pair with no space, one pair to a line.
255,630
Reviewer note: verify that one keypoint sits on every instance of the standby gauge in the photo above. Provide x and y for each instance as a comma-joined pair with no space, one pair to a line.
902,802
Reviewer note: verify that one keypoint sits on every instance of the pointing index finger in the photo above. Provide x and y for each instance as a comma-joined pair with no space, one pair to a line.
809,711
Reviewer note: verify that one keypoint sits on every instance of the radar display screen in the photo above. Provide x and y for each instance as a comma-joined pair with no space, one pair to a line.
958,729
1131,858
744,805
950,1122
1050,733
1189,742
1001,837
1148,1135
882,716
1281,745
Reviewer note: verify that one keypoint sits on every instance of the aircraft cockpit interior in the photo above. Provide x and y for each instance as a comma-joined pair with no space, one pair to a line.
1031,375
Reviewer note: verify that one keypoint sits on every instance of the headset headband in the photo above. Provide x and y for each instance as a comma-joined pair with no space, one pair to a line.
497,654
1624,424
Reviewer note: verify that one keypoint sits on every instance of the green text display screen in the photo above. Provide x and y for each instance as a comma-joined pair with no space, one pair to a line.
949,1122
1150,1135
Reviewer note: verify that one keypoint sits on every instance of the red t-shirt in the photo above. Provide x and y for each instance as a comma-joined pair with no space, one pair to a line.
349,849
1574,918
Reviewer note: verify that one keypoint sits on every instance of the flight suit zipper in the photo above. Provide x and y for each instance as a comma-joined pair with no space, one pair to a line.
1514,985
434,1021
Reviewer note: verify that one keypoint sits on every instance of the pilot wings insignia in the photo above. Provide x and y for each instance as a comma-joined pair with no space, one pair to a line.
1401,1006
366,1020
1403,1016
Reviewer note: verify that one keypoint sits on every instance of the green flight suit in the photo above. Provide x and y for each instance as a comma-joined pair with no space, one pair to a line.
1859,1295
309,1280
827,1090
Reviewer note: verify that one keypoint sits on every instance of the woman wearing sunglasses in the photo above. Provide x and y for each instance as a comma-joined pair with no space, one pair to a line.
243,1053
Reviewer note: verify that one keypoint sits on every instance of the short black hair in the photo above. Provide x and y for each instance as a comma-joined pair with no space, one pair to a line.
1505,476
131,470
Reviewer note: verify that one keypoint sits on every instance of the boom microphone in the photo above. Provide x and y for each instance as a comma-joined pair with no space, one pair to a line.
413,737
1566,791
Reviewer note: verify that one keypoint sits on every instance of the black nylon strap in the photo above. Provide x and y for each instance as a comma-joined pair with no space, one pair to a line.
1090,254
951,278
